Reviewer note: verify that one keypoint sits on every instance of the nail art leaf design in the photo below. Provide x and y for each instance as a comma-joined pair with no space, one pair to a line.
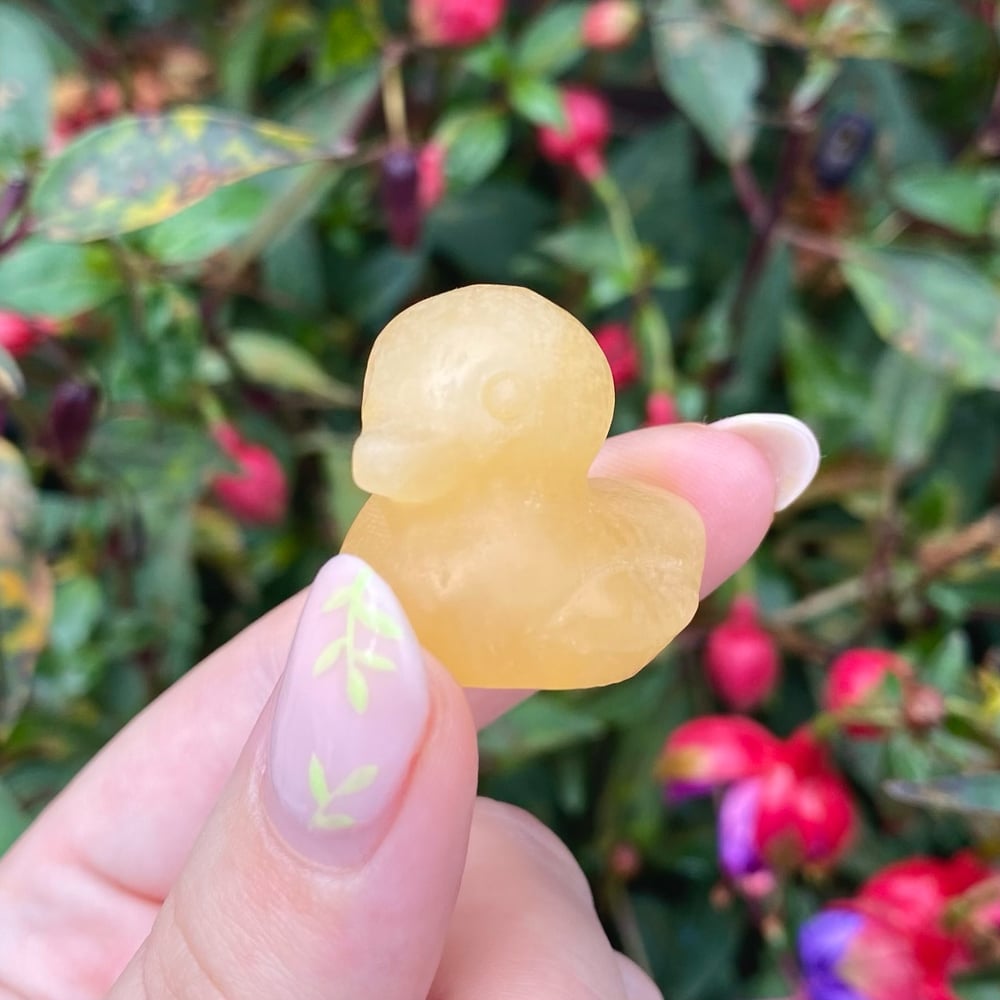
357,781
352,596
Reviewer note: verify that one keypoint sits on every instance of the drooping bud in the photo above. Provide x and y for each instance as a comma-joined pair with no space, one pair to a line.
661,409
581,141
855,681
619,348
71,418
741,658
257,492
399,191
610,24
19,334
455,22
431,181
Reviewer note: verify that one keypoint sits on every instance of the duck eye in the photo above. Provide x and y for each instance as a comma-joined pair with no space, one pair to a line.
504,396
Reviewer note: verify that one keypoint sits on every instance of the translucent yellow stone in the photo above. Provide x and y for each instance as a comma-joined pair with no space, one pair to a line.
483,409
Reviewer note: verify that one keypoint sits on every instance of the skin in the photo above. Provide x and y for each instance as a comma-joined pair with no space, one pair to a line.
156,869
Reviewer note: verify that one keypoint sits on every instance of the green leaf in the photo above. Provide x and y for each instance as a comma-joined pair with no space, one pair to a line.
336,821
357,781
140,170
357,690
79,607
932,307
56,280
538,101
241,54
540,725
209,225
552,42
378,621
334,111
317,782
969,794
278,364
476,140
963,201
348,38
25,85
948,663
13,820
908,409
711,71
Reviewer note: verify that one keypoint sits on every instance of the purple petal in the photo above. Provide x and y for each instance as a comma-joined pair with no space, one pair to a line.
823,940
737,823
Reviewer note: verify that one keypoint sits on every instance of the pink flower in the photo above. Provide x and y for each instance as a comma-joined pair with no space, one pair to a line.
431,181
258,492
620,350
455,22
582,140
19,334
741,658
660,409
854,680
610,24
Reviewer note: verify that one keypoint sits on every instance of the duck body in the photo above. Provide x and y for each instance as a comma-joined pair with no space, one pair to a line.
519,588
482,412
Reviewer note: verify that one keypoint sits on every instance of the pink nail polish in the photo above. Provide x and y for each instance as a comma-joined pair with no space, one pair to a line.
349,719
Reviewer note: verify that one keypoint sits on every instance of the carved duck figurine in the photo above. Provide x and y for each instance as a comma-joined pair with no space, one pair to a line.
483,409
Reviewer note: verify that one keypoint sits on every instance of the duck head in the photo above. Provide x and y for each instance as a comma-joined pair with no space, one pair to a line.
484,380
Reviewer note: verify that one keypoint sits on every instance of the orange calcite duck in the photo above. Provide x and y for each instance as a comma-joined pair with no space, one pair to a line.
483,409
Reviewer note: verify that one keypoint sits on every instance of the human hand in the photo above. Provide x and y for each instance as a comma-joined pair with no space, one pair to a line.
188,860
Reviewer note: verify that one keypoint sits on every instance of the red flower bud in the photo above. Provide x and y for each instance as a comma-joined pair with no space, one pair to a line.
806,6
620,350
660,409
455,22
714,750
854,681
399,183
610,24
70,419
258,492
431,180
19,334
582,140
741,658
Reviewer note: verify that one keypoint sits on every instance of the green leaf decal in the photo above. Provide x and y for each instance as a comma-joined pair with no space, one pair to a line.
357,781
338,821
357,690
317,782
711,71
329,656
374,661
378,621
137,171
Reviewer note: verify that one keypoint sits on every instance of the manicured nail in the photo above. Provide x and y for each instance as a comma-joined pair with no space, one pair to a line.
789,446
350,715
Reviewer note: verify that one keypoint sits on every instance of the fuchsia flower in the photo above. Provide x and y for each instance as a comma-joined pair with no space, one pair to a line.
455,22
258,492
854,680
785,806
581,141
620,350
741,657
610,24
894,939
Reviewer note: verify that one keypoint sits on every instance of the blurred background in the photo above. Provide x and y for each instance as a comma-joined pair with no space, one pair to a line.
207,213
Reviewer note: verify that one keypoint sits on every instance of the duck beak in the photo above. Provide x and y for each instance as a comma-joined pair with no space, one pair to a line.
400,467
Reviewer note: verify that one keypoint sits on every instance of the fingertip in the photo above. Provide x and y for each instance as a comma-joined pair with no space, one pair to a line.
638,985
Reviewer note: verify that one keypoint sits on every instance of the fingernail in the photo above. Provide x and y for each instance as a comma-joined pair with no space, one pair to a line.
350,715
790,448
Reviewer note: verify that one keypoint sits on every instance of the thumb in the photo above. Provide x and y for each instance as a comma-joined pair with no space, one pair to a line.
331,863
